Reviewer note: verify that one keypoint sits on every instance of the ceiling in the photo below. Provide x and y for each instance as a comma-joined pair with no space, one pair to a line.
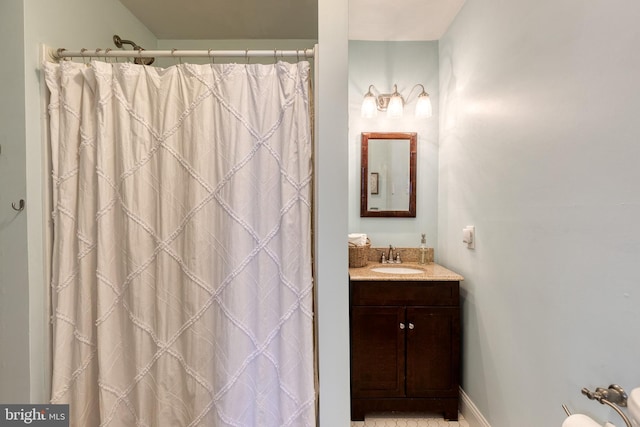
292,19
401,19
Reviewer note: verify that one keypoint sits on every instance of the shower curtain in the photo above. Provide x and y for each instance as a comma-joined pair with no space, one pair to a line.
181,283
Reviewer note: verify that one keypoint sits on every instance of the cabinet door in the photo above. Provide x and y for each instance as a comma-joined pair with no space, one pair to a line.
377,351
433,351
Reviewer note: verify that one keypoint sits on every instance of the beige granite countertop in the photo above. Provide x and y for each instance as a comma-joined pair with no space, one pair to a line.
431,272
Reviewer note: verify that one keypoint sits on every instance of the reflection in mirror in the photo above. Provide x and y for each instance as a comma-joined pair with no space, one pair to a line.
388,174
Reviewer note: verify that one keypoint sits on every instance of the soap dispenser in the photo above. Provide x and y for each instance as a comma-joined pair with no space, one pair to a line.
423,249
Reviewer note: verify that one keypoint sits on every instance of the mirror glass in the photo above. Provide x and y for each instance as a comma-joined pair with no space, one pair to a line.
388,174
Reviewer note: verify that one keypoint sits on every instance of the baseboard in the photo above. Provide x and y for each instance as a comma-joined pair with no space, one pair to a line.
470,412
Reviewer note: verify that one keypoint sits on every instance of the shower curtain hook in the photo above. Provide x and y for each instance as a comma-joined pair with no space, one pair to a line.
275,56
298,54
107,57
173,52
211,57
246,55
84,58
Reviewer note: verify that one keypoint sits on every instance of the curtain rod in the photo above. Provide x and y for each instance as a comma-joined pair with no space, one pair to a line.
58,54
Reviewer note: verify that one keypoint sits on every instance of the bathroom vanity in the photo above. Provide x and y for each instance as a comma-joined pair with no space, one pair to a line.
405,339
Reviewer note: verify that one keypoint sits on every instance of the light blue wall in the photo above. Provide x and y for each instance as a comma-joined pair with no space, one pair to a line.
539,150
331,252
14,290
384,64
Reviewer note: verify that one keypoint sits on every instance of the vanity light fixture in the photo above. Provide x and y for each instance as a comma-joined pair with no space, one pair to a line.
393,103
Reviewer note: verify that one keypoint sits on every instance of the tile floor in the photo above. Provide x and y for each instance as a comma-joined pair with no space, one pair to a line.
407,420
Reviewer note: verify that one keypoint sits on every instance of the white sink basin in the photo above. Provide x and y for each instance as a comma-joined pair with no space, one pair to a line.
397,270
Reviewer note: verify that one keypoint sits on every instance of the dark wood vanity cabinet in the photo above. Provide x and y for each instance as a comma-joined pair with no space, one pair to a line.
405,347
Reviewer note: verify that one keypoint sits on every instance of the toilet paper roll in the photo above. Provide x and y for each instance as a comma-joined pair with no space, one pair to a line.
633,406
580,420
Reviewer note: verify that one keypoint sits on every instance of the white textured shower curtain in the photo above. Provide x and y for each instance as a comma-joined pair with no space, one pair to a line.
181,285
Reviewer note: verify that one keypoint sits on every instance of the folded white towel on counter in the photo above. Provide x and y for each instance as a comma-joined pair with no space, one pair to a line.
358,239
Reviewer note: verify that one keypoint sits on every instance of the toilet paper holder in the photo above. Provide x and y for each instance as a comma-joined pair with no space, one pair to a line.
566,410
614,397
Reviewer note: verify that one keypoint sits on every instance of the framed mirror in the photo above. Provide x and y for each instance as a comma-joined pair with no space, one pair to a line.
388,174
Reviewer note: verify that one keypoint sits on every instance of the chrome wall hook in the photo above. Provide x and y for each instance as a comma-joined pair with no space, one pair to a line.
20,206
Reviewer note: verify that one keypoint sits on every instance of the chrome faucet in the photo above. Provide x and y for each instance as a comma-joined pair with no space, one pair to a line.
390,256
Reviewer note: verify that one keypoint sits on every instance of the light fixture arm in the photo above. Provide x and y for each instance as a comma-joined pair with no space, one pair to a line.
382,99
422,93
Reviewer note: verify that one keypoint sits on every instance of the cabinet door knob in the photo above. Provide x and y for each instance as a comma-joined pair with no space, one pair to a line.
411,326
401,325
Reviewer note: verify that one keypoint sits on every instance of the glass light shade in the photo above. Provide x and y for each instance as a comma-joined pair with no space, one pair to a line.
423,106
395,107
369,107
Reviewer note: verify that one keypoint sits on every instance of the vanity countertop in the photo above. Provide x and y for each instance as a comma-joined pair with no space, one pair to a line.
431,272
